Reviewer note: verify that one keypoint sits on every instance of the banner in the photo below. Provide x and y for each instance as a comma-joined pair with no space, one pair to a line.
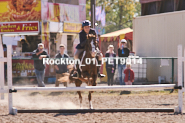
82,11
21,68
45,35
63,12
45,40
72,27
19,27
44,10
103,17
69,12
98,13
54,12
20,10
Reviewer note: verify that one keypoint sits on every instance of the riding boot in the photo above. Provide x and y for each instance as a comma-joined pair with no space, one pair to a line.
77,74
98,71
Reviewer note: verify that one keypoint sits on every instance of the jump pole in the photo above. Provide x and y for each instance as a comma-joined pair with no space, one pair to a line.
181,59
100,88
9,75
98,110
2,68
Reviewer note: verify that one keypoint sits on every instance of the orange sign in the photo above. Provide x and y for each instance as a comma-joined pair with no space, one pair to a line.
20,10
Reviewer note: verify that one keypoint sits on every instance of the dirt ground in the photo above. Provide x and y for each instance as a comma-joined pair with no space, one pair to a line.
69,100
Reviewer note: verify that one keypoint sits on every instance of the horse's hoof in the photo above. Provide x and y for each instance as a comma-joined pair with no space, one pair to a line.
90,107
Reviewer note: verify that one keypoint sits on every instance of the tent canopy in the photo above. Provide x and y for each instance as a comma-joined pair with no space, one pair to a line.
148,1
117,34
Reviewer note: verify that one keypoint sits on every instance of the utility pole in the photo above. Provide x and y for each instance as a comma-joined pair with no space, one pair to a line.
93,6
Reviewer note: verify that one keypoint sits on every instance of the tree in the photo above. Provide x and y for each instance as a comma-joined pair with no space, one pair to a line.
119,13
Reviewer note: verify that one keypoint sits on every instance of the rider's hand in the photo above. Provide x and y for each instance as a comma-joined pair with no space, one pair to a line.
39,52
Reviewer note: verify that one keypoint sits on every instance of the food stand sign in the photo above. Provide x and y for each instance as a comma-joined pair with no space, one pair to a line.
19,27
21,68
72,27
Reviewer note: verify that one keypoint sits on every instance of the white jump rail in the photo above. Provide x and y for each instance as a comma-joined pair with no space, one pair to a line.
2,60
11,89
99,88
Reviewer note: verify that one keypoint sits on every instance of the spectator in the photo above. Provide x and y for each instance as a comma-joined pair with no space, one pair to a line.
129,75
24,45
61,68
123,51
110,65
39,54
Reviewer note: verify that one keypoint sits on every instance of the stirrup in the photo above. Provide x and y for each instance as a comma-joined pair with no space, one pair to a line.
101,75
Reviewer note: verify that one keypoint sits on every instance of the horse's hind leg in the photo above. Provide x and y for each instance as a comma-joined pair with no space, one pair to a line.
90,102
78,84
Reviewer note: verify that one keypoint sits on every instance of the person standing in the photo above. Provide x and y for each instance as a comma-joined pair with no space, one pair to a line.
24,45
129,75
61,68
110,64
123,51
38,56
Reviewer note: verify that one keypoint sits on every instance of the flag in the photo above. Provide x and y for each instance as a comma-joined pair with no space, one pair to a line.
98,13
103,17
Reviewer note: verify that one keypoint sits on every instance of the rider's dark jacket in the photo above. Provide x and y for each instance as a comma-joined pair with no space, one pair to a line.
83,38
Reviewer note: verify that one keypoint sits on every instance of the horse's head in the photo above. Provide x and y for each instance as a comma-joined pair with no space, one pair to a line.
91,45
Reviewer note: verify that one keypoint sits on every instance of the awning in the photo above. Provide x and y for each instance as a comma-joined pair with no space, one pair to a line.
148,1
120,34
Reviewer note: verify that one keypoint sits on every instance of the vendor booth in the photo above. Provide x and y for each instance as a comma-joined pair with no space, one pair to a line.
114,38
20,36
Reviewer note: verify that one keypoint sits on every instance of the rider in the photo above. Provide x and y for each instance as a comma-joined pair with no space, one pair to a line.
83,40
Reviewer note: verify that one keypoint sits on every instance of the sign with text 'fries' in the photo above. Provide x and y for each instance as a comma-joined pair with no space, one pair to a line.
19,27
72,27
20,10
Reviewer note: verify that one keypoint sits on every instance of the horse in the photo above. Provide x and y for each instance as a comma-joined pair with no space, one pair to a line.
88,71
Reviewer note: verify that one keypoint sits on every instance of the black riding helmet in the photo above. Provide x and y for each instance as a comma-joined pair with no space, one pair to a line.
86,23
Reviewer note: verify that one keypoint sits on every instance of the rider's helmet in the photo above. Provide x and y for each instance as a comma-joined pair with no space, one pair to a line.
86,23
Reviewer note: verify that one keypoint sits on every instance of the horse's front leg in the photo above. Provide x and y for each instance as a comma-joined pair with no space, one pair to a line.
93,83
80,97
78,84
90,102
